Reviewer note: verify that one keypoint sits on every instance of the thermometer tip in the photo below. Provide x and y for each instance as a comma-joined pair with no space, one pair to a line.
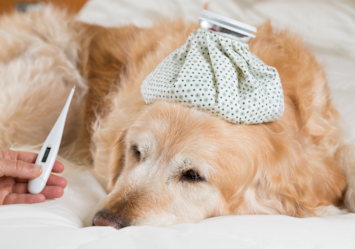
74,86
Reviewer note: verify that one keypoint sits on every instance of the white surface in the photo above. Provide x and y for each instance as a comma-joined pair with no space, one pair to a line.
329,30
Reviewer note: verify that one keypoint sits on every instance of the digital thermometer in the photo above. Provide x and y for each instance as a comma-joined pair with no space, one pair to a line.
49,150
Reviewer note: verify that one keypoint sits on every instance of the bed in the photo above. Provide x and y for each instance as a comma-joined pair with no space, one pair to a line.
328,29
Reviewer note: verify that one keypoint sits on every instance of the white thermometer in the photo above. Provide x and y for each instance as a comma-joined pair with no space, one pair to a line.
49,150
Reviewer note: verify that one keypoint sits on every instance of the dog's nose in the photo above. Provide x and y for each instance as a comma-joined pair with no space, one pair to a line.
104,218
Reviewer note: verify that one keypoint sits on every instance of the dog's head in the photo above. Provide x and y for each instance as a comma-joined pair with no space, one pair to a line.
174,164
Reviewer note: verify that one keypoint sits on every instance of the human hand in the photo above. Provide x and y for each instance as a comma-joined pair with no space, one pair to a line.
16,168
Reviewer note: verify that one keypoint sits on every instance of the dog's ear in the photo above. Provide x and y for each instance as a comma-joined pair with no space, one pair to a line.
116,160
294,178
290,178
303,177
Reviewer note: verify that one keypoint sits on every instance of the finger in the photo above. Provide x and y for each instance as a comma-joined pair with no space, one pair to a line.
21,180
28,157
24,198
19,169
54,180
20,188
51,192
58,167
6,185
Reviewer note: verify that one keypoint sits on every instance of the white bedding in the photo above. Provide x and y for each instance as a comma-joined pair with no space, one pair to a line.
328,28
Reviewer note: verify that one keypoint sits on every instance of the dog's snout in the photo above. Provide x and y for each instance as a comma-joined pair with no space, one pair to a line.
105,218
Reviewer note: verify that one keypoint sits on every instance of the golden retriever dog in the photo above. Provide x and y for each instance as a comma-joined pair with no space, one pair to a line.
163,163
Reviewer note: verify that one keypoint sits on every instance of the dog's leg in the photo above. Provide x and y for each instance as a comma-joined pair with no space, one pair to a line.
345,155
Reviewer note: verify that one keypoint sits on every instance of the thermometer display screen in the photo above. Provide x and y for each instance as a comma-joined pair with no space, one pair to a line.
46,153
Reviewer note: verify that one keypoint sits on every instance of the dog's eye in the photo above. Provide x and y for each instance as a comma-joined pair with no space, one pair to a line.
136,152
191,175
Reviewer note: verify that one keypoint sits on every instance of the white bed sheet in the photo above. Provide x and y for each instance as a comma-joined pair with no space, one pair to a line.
328,28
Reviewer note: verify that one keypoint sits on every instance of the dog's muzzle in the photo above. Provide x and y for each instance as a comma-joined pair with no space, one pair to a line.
107,218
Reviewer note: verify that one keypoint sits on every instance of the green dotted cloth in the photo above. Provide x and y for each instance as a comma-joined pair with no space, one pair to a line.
218,75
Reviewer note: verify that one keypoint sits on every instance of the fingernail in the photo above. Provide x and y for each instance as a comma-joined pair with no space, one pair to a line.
37,169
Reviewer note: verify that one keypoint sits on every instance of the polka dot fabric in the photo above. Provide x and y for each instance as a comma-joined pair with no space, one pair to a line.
218,75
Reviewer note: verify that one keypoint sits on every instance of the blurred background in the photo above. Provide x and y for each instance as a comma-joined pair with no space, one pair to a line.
7,6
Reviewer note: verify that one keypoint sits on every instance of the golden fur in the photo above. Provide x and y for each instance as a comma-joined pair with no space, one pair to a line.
142,153
38,58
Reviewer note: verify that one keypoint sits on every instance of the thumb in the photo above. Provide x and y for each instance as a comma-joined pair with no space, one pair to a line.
20,169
